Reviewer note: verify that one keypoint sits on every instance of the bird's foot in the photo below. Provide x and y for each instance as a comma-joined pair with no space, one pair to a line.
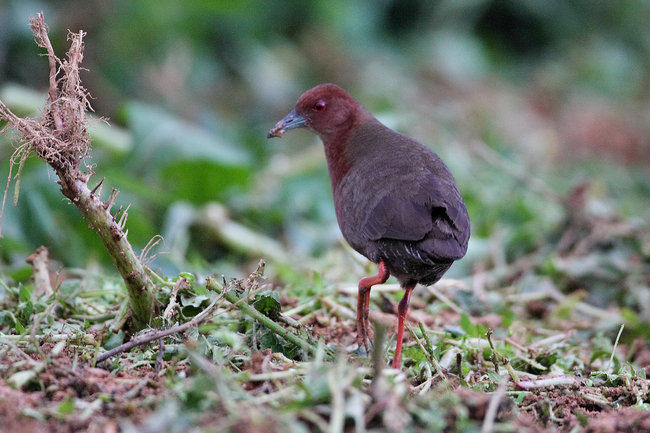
364,334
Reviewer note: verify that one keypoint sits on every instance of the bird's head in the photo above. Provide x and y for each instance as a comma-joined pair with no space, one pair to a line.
325,109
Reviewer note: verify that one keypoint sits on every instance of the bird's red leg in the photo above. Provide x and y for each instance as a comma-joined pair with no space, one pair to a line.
363,303
402,309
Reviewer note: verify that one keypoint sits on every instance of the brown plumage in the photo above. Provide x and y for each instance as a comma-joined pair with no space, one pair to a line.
396,201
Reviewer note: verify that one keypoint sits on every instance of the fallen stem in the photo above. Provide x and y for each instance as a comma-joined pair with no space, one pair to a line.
547,382
611,358
40,261
232,297
169,311
429,355
155,335
493,407
85,338
120,318
445,300
500,358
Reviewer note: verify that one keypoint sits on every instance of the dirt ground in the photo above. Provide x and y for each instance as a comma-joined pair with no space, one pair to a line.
113,397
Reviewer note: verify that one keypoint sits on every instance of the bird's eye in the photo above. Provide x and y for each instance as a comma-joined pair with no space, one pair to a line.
319,106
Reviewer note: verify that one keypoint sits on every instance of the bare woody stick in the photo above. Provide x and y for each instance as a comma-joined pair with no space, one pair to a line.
61,139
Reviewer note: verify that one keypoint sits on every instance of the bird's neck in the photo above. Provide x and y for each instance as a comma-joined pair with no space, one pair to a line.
338,162
340,150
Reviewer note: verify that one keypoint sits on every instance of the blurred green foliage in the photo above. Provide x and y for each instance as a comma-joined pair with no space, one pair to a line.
197,85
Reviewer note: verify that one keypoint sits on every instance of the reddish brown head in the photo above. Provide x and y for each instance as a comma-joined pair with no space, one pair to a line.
325,109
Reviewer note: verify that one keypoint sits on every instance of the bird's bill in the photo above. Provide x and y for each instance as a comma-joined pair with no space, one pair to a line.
290,121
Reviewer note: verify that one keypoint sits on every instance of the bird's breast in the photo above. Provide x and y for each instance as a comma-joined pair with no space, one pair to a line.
355,197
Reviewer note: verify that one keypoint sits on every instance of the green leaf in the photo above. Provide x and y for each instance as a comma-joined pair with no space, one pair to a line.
268,303
414,353
467,326
194,301
20,329
547,359
114,340
66,407
26,310
270,341
189,277
494,376
25,293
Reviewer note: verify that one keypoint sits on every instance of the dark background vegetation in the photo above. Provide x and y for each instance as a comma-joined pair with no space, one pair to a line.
529,102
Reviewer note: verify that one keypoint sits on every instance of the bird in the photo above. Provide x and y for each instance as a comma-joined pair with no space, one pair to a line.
396,202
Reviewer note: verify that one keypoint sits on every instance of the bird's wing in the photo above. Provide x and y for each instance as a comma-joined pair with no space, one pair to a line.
399,218
432,211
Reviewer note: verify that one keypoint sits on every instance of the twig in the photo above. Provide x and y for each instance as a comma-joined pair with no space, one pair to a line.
350,289
532,363
493,407
120,318
273,375
585,308
181,282
611,358
515,344
197,320
507,272
441,297
598,399
500,358
548,340
337,390
378,362
232,297
337,308
52,338
297,309
425,386
39,261
94,317
427,340
161,353
429,355
546,382
314,418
